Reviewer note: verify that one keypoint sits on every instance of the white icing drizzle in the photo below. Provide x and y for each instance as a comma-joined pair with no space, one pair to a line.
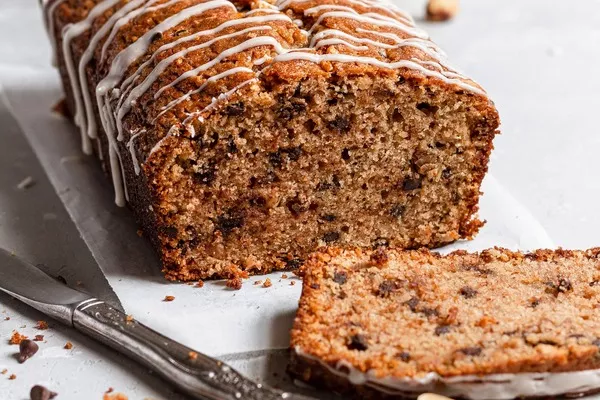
117,93
473,387
70,32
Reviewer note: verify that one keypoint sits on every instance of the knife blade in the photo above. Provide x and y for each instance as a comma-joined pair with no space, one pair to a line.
196,374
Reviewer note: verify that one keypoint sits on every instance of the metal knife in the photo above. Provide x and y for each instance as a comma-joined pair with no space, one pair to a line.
194,373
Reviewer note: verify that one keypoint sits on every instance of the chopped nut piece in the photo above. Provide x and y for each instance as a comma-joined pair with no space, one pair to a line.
441,10
12,377
169,298
267,283
68,346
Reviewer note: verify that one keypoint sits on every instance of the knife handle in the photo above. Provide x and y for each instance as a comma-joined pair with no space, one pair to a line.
194,373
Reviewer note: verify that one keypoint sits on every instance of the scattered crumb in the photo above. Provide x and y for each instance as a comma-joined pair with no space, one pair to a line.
292,283
68,346
284,276
26,183
140,232
169,298
234,283
192,355
12,377
441,10
200,284
7,318
267,283
16,338
116,396
110,390
3,372
39,338
258,282
41,325
62,109
129,318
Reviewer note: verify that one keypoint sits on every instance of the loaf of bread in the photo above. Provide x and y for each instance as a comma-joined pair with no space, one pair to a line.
494,325
246,134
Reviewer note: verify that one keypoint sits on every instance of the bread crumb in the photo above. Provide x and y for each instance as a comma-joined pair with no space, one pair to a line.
234,283
258,282
267,283
38,338
110,390
16,338
199,284
116,396
192,355
292,283
441,10
129,318
169,298
7,318
12,377
284,276
3,372
41,325
68,346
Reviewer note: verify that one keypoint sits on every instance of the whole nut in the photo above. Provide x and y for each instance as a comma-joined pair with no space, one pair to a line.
441,10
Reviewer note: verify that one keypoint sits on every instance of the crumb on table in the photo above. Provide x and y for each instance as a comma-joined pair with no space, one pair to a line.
41,325
38,338
12,377
234,283
200,284
68,346
16,338
267,283
169,298
116,396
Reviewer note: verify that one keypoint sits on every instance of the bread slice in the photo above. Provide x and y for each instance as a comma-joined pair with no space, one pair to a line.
493,325
249,133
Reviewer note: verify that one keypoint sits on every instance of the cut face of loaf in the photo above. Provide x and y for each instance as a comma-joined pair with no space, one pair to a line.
494,325
251,133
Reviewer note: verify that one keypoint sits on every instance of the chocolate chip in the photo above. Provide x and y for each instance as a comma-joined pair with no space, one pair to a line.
275,159
471,351
339,124
411,184
468,292
232,147
294,263
478,269
170,232
235,109
404,356
331,237
534,303
156,36
380,242
358,342
427,108
295,107
397,211
441,330
387,287
379,257
429,312
594,283
258,201
39,392
328,217
296,207
447,173
205,175
226,223
27,349
293,153
346,154
413,303
561,286
340,277
315,286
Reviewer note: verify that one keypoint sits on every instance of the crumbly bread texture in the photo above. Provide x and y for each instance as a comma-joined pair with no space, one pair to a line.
406,314
251,133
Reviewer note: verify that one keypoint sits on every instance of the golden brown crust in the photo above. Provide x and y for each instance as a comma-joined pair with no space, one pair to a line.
240,186
493,312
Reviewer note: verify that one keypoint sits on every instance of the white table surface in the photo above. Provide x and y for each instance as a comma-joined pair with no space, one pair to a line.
538,59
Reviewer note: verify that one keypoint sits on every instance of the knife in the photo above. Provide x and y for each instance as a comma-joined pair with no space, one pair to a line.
194,373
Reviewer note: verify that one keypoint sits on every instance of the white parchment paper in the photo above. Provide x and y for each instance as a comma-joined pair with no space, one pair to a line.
244,327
